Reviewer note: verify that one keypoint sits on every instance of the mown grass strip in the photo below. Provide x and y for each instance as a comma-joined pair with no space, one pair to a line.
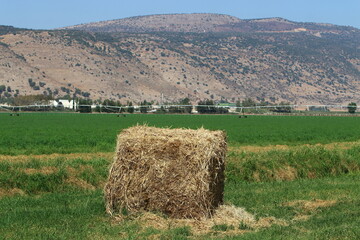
56,175
296,163
38,174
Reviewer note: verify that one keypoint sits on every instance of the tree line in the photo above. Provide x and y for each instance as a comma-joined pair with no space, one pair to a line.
183,106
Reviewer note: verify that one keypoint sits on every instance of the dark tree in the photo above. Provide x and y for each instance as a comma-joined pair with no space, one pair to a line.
2,88
144,106
206,106
352,107
85,105
130,108
187,105
248,102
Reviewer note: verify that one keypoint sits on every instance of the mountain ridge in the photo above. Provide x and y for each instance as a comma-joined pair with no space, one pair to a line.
195,22
268,61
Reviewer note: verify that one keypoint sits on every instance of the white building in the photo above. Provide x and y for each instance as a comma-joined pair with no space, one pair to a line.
64,103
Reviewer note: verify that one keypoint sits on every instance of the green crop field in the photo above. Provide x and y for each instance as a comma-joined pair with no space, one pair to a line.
298,176
68,133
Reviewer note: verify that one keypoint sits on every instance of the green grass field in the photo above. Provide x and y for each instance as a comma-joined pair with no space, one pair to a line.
68,133
313,189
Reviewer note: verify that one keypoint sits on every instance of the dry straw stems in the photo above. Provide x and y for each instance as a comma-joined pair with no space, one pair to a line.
179,172
236,219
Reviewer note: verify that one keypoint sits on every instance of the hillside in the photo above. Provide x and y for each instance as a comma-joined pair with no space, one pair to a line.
217,57
166,22
205,22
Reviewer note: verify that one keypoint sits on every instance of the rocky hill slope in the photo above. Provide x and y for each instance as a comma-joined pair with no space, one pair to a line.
205,22
185,55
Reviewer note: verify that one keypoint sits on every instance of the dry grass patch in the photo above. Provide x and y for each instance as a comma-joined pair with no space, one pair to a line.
44,170
44,157
80,183
311,205
257,149
286,173
11,192
306,208
301,218
266,222
44,174
75,180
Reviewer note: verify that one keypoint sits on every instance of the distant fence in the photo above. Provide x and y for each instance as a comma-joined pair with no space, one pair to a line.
313,110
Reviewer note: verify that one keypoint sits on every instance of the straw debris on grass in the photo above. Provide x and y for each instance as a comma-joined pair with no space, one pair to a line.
226,219
230,216
179,172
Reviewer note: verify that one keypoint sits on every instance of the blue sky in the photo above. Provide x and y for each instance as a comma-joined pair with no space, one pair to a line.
49,14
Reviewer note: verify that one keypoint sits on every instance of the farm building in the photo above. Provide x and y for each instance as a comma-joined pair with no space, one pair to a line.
64,103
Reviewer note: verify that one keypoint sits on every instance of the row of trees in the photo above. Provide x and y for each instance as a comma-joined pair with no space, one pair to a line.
282,107
111,106
106,106
182,106
208,106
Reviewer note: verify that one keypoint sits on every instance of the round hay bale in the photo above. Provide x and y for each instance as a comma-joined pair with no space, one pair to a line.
179,172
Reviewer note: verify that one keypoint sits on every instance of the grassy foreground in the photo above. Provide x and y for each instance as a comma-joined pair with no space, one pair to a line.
80,214
61,198
296,190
